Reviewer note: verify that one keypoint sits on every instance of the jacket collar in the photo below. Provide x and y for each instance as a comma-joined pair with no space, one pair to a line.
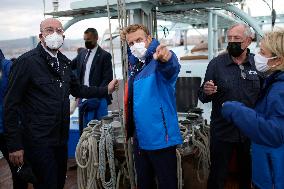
47,56
249,59
149,53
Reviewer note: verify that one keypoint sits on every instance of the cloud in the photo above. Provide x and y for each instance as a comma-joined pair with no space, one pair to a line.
21,23
27,4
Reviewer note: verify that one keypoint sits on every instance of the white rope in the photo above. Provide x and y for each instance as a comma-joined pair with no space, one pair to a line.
202,144
87,160
106,146
122,21
179,169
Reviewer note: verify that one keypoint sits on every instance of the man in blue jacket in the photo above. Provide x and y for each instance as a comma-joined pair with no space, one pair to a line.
5,66
151,108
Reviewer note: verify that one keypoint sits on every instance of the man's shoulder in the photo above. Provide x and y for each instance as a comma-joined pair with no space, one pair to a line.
221,59
103,52
27,55
63,57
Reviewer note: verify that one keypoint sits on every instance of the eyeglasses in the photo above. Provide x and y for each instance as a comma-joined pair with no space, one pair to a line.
51,30
243,73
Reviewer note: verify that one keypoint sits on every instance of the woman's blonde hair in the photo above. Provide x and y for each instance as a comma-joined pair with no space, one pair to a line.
274,42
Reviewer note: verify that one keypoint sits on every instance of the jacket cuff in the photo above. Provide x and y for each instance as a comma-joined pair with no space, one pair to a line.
228,108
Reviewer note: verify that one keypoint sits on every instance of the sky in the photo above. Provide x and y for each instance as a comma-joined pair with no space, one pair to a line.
21,18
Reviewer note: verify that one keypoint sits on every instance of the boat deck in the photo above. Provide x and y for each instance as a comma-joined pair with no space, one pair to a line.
190,177
6,178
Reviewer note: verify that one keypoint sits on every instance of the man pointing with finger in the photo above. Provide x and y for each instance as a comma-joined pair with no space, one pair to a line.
151,116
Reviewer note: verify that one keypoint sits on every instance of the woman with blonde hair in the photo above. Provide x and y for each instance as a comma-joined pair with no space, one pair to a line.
264,124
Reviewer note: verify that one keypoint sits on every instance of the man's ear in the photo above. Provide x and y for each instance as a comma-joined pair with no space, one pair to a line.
63,36
40,35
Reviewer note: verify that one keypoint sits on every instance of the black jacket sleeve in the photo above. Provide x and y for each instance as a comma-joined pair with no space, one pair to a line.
107,73
82,91
209,75
18,81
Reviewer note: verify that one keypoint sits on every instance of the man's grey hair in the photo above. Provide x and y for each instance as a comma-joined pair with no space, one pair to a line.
248,32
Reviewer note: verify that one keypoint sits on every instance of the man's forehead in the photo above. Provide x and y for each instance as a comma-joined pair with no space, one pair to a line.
237,29
136,34
88,36
51,23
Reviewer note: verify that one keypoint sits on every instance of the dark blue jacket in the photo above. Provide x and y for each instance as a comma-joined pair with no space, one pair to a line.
226,75
39,97
154,104
264,125
4,70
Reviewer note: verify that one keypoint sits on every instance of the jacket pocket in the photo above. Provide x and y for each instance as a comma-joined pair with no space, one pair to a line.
43,127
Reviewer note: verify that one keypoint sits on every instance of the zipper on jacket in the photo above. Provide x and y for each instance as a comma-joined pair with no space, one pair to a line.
164,124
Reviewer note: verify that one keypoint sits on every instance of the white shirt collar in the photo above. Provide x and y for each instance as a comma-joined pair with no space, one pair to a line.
50,53
94,50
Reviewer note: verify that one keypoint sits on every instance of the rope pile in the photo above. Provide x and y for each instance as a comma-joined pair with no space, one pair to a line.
87,159
106,147
201,142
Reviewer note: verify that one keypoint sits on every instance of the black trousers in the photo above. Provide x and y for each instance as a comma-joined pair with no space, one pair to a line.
160,163
49,165
220,155
17,182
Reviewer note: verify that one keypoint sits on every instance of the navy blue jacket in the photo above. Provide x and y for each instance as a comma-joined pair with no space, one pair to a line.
230,86
5,70
36,96
264,125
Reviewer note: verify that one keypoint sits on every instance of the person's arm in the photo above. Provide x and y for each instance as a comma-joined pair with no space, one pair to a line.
82,91
170,68
209,75
261,129
5,75
17,85
107,72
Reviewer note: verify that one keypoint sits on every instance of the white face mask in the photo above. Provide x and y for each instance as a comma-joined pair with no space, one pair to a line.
261,62
139,50
54,41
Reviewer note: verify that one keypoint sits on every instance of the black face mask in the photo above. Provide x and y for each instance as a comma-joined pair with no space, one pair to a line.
235,49
89,45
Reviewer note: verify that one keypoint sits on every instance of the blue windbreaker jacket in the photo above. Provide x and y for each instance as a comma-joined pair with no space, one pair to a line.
154,103
264,125
5,69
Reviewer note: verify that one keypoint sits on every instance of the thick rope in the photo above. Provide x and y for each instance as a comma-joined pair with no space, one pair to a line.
87,160
106,146
201,142
179,169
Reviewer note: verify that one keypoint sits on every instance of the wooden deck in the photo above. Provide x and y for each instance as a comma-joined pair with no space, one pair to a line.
6,178
190,178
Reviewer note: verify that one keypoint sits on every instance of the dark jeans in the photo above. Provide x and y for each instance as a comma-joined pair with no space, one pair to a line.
49,165
17,182
220,155
161,163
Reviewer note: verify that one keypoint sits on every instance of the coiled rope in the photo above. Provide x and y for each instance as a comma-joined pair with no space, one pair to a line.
106,146
87,159
201,142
